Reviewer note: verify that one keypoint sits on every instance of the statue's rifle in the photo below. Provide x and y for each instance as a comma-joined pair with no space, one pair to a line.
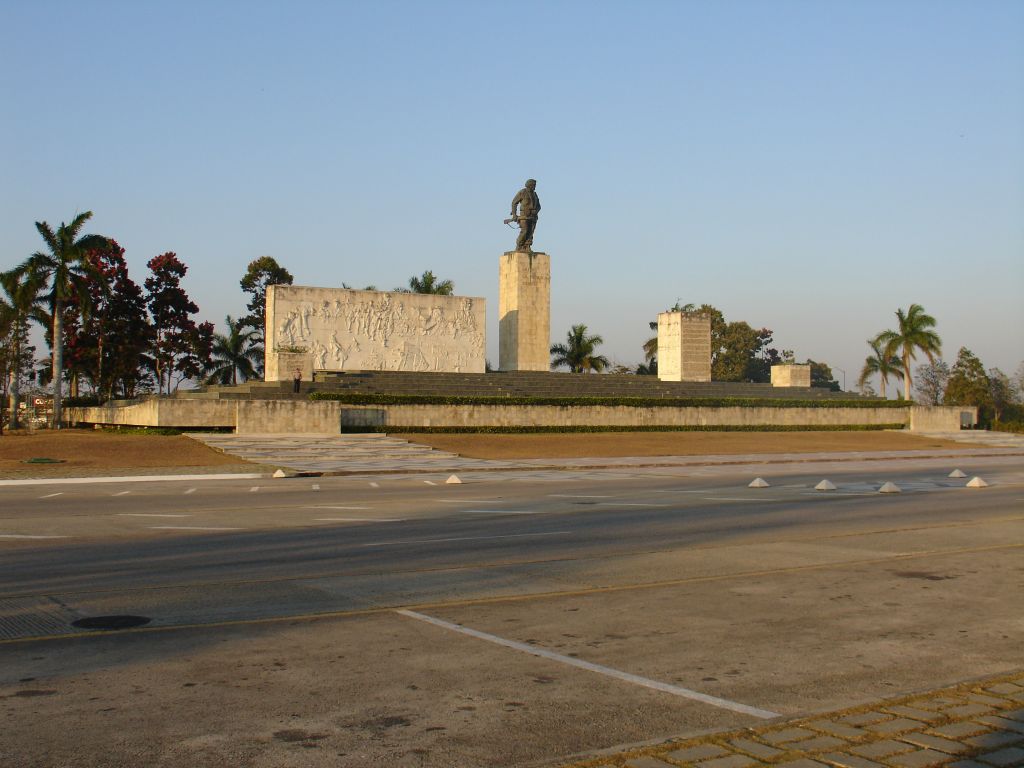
508,221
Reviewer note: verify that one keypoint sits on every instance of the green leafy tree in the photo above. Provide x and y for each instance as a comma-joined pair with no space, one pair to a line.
969,385
235,355
578,353
821,376
931,382
19,304
260,273
881,361
1003,395
741,353
64,269
428,283
913,334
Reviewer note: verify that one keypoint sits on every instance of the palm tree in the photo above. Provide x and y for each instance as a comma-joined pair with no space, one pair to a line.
880,362
428,283
578,352
234,355
65,269
21,304
913,333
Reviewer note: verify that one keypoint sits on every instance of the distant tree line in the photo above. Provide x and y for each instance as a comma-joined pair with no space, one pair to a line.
998,397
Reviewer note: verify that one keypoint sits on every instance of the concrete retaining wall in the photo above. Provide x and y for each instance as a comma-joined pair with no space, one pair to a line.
942,418
159,412
396,417
328,417
283,416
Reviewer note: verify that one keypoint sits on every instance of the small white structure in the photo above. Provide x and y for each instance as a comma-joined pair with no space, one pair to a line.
339,329
791,375
684,346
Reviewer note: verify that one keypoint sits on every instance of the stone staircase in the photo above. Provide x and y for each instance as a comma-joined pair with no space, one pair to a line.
341,453
509,384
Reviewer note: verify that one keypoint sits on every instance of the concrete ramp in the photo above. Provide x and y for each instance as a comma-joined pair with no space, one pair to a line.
338,453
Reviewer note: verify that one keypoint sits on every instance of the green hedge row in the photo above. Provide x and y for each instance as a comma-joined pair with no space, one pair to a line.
353,398
394,429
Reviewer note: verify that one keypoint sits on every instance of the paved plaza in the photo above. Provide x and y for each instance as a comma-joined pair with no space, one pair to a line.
658,612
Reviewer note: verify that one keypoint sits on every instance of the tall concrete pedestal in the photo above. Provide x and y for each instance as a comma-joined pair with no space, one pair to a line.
684,347
524,312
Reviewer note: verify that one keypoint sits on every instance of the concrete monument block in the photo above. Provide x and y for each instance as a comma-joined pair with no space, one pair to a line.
338,329
524,312
684,346
791,375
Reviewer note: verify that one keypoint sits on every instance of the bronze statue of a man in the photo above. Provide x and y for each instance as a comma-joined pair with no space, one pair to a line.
528,205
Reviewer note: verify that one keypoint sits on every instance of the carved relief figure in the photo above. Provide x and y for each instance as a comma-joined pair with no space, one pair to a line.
373,331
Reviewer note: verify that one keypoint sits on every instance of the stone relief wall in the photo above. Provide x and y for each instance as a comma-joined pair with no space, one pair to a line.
339,329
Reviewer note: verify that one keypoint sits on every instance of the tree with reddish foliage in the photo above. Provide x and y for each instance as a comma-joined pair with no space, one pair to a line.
180,348
116,335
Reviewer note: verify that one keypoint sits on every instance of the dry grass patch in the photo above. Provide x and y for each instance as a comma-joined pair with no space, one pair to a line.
97,450
575,445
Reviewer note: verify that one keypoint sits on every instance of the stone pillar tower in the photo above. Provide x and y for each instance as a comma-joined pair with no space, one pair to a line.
684,346
524,312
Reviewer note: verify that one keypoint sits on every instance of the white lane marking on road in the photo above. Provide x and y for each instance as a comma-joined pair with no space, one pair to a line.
27,536
731,498
147,514
627,504
468,501
51,495
575,496
121,493
191,528
375,485
254,489
190,490
430,482
503,512
320,506
463,538
359,519
130,479
316,487
543,653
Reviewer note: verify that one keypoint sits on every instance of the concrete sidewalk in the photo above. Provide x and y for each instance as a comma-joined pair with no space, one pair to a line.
978,724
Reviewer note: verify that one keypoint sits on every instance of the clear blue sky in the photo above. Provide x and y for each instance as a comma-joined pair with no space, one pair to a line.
805,166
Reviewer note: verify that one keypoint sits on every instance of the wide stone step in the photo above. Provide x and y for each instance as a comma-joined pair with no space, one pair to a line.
510,384
347,452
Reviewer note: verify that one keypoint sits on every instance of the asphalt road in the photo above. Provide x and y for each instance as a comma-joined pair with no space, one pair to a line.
395,620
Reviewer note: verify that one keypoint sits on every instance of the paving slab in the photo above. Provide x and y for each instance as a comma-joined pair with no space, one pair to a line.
919,748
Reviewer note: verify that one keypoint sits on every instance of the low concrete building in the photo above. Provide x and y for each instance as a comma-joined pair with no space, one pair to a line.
684,346
791,375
